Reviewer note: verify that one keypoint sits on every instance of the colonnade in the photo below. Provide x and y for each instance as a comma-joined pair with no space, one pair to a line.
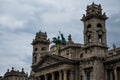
58,75
114,74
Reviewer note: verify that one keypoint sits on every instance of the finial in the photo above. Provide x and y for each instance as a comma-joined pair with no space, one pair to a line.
100,5
12,68
22,69
114,47
92,3
69,38
39,31
45,33
7,70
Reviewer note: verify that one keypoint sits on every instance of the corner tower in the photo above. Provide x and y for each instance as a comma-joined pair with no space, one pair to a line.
95,44
40,46
94,26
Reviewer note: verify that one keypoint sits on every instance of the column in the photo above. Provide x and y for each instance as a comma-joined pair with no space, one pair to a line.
71,74
60,75
53,76
115,73
45,77
64,74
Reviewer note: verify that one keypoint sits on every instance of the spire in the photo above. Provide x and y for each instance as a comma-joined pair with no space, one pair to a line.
114,47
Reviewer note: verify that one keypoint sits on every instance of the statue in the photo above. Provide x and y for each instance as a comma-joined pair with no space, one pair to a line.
114,47
57,40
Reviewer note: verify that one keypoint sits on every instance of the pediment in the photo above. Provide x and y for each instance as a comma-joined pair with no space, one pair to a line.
51,60
48,61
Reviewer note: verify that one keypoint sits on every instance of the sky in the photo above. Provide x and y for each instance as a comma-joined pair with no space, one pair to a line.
21,19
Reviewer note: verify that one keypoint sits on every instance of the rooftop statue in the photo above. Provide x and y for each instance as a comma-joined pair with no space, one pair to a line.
57,40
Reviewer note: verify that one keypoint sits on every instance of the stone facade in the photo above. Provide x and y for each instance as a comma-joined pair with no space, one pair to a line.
74,61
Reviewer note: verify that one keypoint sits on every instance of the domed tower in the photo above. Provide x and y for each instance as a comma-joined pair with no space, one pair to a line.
94,27
40,46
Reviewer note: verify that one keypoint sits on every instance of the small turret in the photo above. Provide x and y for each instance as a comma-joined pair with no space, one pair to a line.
40,46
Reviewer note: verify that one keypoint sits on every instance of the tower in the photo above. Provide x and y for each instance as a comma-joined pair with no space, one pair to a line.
94,27
40,46
95,44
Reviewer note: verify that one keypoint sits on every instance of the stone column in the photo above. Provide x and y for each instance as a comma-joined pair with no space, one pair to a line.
71,74
53,76
45,77
64,74
115,73
60,75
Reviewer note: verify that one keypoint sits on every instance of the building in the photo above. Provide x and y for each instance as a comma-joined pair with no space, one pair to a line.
15,75
74,61
67,60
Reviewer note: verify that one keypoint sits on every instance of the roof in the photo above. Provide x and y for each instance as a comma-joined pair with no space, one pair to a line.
14,73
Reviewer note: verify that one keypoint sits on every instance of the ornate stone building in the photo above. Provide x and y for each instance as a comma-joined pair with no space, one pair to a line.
15,75
74,61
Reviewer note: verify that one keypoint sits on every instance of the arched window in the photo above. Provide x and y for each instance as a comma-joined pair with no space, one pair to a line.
35,58
99,38
88,26
89,39
99,25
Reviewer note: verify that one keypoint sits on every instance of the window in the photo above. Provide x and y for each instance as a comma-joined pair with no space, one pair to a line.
99,25
100,38
89,39
81,55
89,26
43,48
88,73
35,58
36,49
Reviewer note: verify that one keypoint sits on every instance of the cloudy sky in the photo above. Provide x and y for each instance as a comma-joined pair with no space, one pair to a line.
21,19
